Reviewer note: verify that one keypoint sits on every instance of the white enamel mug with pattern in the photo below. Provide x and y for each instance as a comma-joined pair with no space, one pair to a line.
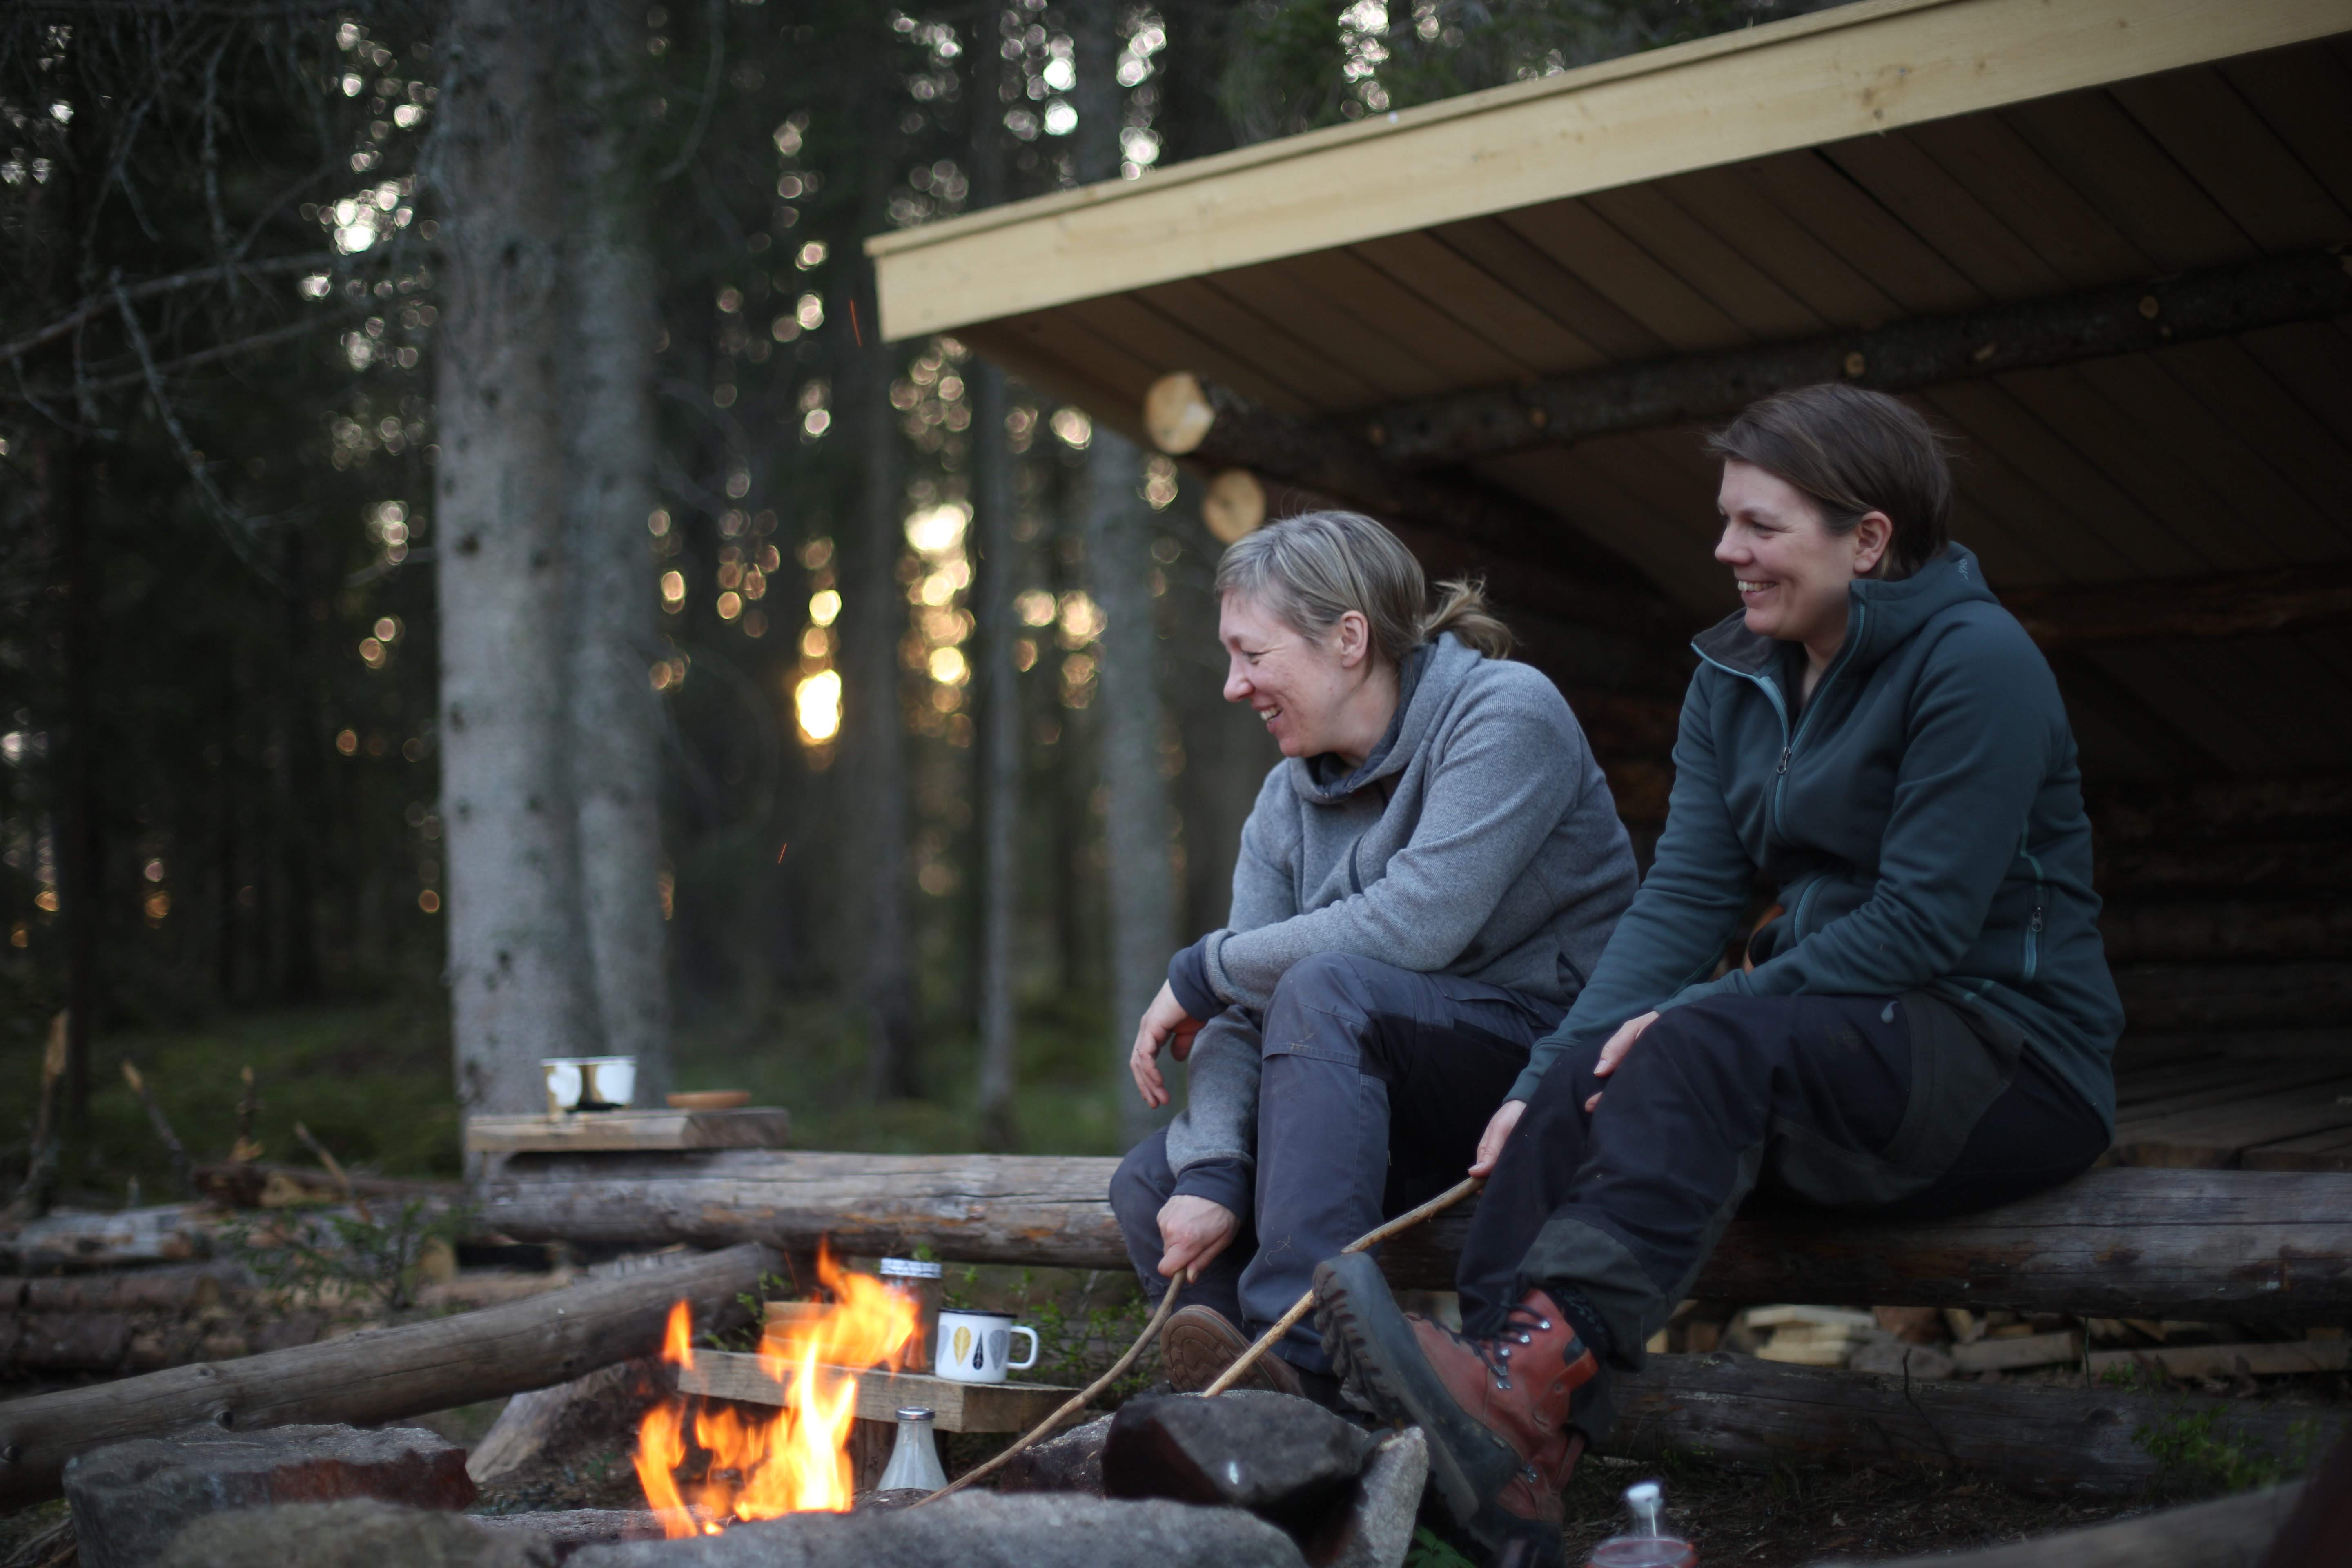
973,1346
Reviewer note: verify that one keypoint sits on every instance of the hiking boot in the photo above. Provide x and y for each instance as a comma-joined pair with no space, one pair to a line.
1199,1342
1500,1413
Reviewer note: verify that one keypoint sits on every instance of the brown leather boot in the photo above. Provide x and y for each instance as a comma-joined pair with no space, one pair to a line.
1500,1413
1197,1344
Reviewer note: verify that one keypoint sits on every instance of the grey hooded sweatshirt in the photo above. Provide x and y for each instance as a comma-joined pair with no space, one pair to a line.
1478,839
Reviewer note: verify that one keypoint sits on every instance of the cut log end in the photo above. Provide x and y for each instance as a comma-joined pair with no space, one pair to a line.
1177,413
1234,506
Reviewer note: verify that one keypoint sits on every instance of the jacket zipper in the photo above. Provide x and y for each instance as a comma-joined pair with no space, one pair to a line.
1789,740
2034,921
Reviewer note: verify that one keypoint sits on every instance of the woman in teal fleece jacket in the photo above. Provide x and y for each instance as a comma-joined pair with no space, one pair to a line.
1925,1023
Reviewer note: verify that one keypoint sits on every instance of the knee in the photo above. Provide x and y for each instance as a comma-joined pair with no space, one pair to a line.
1140,1187
1337,987
1322,976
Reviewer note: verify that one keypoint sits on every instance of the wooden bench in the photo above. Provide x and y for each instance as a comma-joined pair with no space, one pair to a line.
2260,1248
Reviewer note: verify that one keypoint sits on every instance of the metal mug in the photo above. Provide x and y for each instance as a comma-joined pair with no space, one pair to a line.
973,1346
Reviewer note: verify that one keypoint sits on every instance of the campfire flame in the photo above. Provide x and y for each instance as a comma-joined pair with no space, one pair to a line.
797,1461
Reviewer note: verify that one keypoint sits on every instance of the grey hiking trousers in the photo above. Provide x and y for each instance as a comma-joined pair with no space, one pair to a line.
1375,1084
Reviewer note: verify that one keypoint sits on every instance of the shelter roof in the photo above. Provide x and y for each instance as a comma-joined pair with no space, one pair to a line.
1821,181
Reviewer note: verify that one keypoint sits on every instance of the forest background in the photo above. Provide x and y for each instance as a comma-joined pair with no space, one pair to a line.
473,587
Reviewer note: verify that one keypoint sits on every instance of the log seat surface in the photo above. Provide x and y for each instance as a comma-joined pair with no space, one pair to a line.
619,1131
2252,1246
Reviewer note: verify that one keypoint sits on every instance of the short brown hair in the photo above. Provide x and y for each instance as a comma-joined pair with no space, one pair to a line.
1853,451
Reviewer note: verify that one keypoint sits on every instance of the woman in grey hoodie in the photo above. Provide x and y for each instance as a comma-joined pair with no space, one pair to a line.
1427,877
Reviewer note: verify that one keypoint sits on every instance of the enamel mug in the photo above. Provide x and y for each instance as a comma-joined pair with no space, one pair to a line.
973,1346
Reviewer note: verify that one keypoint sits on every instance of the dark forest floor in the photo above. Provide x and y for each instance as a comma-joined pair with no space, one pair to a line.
372,1081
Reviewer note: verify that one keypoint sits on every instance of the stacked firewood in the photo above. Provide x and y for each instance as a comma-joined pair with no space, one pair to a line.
1929,1342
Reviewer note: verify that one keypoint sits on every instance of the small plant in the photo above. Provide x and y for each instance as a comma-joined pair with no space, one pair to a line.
323,1253
2197,1454
1427,1551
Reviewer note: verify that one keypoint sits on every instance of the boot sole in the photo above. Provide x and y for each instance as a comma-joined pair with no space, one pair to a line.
1197,1354
1373,1350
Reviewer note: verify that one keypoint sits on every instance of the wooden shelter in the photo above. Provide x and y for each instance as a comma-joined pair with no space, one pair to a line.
2102,242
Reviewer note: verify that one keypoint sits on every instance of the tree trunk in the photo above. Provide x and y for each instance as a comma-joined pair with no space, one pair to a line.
79,852
1119,558
1000,755
610,426
998,687
1142,878
301,749
874,621
517,970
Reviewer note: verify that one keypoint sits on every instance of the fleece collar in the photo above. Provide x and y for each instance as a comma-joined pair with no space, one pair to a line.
1426,683
1879,619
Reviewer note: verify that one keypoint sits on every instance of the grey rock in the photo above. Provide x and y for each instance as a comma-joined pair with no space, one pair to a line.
1284,1459
351,1534
979,1530
1072,1462
1377,1525
566,1530
130,1499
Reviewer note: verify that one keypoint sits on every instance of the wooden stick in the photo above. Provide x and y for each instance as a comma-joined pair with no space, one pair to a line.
1077,1402
1298,1309
1373,1238
182,1167
335,1169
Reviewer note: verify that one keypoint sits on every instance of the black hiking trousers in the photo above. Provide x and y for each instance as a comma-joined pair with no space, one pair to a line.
1897,1105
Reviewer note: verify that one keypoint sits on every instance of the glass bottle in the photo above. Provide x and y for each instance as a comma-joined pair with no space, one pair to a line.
915,1456
1644,1545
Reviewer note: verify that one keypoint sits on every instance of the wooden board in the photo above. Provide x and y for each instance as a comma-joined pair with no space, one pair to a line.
956,1407
2221,1361
2211,1137
621,1131
1744,94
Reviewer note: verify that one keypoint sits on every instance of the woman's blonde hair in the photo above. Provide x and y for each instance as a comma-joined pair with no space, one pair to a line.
1314,568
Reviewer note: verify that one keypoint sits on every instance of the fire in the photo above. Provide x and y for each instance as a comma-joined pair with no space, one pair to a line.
797,1461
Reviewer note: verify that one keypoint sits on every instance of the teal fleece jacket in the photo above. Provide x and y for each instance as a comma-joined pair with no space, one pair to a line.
1921,816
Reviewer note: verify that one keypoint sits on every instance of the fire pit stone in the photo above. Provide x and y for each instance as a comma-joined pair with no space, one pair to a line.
1072,1462
1284,1459
354,1533
980,1530
130,1500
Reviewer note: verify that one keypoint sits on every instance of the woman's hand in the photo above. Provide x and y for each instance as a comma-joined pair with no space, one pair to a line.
1614,1051
1192,1231
1498,1130
1165,1023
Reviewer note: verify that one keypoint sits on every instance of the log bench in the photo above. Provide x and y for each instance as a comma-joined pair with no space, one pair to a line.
2262,1247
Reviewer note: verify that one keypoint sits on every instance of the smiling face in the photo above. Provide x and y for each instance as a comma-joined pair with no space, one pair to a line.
1792,573
1301,686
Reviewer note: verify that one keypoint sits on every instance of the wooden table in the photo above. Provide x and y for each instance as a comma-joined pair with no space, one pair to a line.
955,1407
629,1132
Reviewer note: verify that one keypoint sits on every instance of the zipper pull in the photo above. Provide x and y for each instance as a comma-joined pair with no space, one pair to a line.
2035,924
1784,760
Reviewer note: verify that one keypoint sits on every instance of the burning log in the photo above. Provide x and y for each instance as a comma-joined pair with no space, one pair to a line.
2252,1247
380,1374
797,1460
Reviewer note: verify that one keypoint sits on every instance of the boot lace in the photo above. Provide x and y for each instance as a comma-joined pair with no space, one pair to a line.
1520,1326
